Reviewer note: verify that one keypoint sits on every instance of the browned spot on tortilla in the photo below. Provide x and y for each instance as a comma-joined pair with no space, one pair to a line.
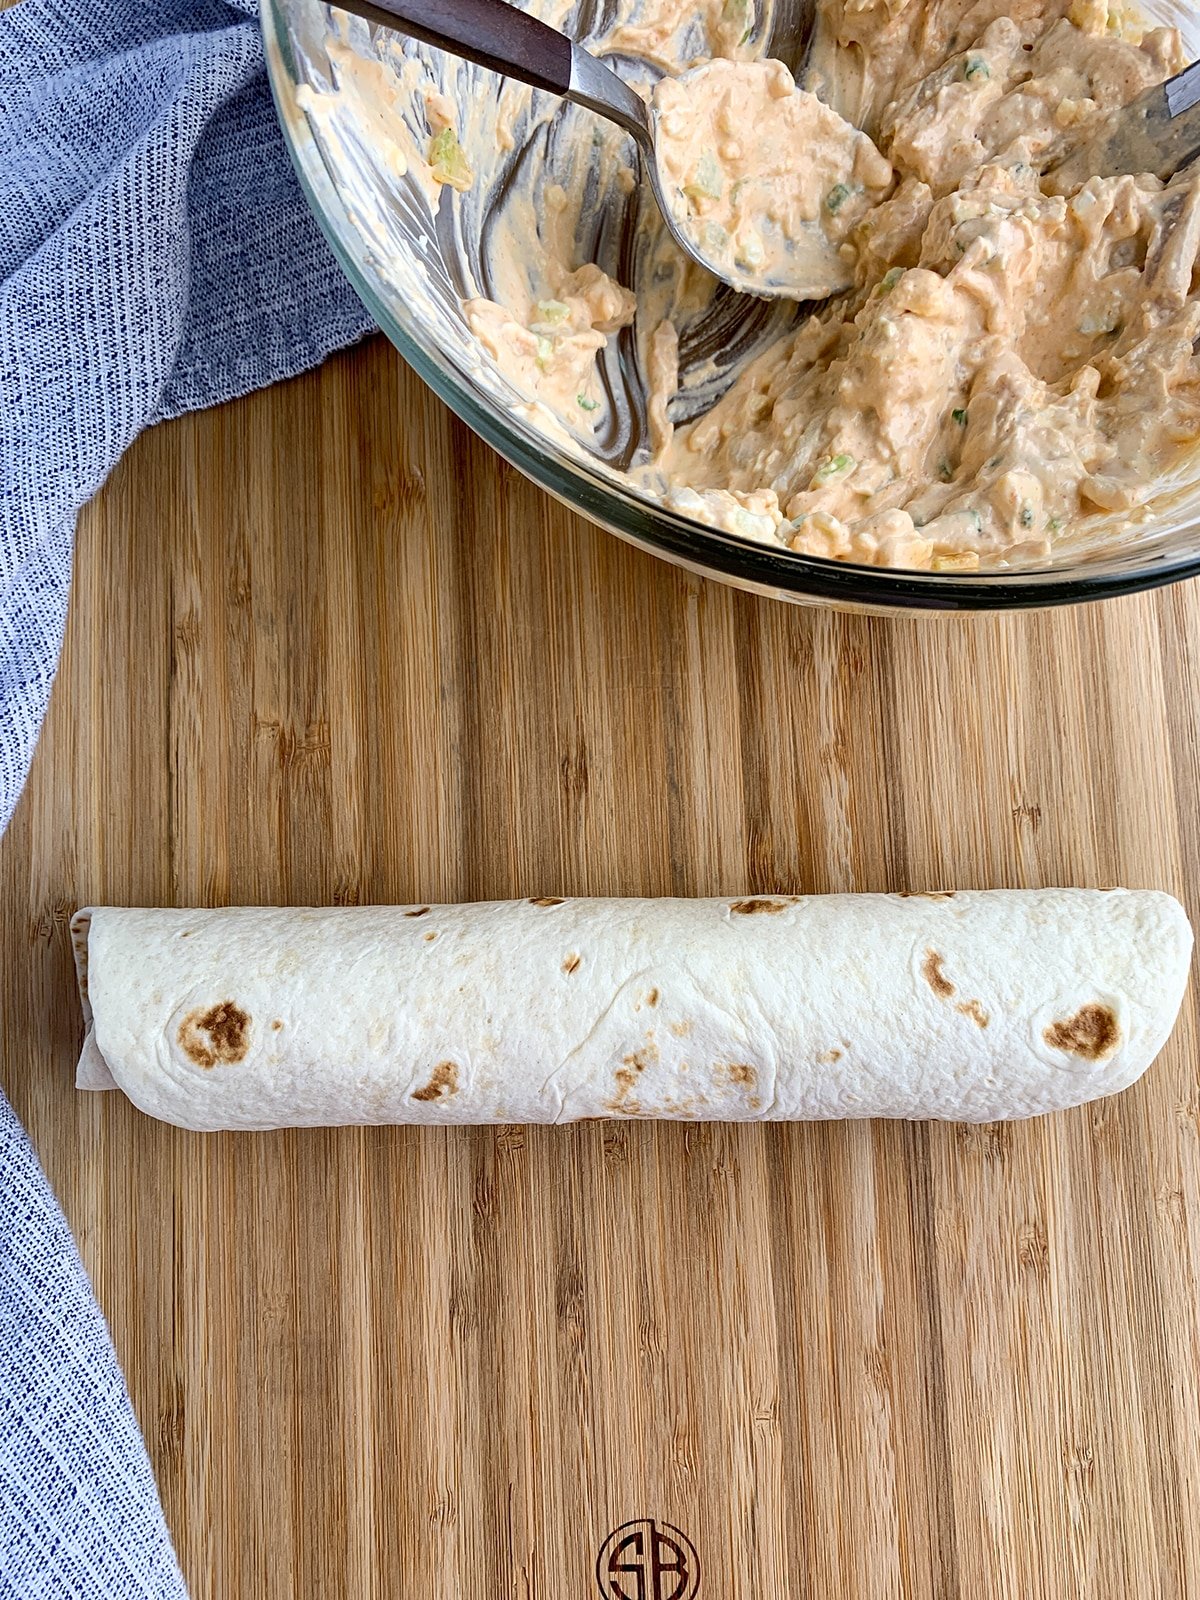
186,934
927,894
217,1035
626,1078
974,1010
571,963
276,1025
829,1058
442,1084
741,1072
652,998
623,1108
931,971
1092,1033
681,1029
545,900
430,936
419,912
752,908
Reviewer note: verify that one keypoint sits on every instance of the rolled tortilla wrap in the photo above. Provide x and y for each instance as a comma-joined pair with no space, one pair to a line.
968,1007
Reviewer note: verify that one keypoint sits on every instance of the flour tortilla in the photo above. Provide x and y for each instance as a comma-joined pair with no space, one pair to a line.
972,1007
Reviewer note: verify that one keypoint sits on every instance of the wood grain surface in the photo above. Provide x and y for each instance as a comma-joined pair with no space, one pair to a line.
324,646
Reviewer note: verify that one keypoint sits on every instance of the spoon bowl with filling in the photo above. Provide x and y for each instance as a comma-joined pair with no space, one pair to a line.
767,182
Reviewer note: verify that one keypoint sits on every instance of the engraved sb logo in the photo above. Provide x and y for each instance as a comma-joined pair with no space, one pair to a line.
648,1560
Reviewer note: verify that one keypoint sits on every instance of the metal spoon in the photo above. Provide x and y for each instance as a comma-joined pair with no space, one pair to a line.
504,39
1158,133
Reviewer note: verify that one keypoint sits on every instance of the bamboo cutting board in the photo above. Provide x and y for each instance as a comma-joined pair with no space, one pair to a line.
324,646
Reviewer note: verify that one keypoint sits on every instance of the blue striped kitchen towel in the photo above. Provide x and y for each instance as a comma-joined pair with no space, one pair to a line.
156,256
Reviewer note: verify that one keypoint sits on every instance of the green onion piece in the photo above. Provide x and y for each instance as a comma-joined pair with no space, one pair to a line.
837,197
706,180
586,403
834,467
739,14
960,416
447,163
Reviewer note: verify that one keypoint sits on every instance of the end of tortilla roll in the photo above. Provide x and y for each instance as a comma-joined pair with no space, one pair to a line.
91,1070
1167,942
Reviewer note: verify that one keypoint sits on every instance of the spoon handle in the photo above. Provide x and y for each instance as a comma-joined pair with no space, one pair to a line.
1183,92
491,33
504,39
1159,133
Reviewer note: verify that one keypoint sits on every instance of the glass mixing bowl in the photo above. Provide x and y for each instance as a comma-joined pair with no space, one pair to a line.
405,259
